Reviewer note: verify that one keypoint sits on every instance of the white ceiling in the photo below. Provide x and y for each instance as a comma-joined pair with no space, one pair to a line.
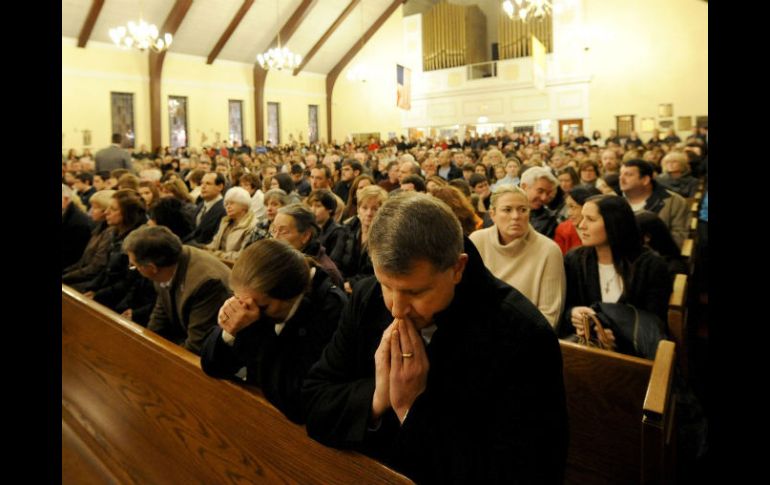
206,20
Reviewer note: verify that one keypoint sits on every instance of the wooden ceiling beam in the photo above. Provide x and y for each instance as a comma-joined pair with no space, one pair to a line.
171,25
326,35
88,26
291,25
331,78
229,31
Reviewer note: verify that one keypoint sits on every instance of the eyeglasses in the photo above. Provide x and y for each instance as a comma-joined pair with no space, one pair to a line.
281,231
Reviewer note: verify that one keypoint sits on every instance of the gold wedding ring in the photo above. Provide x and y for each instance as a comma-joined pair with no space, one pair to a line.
406,355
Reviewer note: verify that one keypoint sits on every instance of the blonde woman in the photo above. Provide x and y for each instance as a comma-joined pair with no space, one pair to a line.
351,255
519,255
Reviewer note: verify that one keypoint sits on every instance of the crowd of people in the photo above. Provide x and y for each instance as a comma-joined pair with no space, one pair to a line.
347,280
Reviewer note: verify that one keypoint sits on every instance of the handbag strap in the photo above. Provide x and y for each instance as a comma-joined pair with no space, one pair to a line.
601,335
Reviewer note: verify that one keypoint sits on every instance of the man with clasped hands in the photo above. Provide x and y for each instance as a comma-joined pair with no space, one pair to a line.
439,369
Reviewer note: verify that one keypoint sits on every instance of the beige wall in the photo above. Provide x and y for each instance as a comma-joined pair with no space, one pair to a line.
371,106
89,75
644,53
295,94
208,89
640,55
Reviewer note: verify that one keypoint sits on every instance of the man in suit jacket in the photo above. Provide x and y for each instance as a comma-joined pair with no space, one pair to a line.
211,210
437,368
191,284
113,157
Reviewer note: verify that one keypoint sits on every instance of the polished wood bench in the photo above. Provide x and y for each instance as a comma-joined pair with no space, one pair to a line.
138,409
620,415
677,321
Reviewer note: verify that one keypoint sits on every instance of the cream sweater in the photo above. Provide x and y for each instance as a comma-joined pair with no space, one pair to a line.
532,264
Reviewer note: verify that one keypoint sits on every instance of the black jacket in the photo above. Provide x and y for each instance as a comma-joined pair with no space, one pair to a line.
494,408
544,221
209,225
351,259
75,234
279,363
650,287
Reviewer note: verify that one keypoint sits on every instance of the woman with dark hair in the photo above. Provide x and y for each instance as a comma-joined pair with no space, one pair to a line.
284,182
149,192
656,236
169,212
283,313
612,266
589,172
125,213
568,178
351,207
323,203
566,235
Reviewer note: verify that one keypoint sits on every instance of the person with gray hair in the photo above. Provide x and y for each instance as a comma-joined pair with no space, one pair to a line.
191,284
296,225
236,227
539,183
437,368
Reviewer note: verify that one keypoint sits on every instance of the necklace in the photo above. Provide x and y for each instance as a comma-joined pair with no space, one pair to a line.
608,283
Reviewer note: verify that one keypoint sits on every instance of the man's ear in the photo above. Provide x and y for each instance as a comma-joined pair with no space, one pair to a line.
459,267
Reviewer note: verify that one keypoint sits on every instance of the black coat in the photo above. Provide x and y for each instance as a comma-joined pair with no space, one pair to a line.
350,257
494,408
279,363
650,287
75,233
204,232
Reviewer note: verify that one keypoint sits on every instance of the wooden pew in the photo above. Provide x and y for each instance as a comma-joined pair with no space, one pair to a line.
620,416
138,409
688,247
677,320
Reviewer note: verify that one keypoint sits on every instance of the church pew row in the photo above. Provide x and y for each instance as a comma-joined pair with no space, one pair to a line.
677,321
620,414
138,409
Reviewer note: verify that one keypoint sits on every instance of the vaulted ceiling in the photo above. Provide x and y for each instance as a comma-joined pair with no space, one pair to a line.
207,20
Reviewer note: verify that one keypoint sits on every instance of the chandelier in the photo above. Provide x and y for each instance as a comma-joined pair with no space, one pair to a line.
527,8
278,57
143,36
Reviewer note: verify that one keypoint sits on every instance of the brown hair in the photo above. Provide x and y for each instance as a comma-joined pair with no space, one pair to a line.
272,267
460,205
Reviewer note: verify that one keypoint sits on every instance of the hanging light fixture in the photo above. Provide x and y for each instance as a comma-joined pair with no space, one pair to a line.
527,8
278,57
359,72
141,35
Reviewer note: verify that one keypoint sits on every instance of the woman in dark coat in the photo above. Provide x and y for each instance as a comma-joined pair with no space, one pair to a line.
612,266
